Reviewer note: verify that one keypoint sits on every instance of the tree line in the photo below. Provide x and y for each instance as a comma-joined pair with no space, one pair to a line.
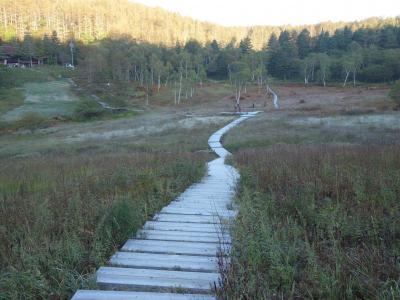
93,20
368,55
365,55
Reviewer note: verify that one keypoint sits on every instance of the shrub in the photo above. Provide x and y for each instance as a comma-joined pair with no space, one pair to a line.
395,92
31,121
87,110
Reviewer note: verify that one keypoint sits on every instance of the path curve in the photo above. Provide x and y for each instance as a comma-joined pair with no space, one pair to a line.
275,97
174,256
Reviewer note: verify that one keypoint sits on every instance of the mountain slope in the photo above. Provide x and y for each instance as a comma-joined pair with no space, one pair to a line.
95,19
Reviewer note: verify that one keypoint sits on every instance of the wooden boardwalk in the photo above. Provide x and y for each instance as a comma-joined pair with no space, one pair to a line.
174,256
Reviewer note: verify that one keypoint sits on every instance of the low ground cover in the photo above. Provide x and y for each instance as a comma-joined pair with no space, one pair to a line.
316,222
62,216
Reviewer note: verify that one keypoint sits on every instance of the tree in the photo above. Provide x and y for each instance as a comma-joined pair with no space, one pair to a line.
95,63
214,46
308,66
148,82
324,62
273,43
157,69
28,47
355,59
322,43
387,38
245,46
258,69
347,67
240,76
192,47
183,62
303,43
343,38
283,60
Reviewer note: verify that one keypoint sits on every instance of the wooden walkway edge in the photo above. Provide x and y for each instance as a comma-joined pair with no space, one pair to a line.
174,256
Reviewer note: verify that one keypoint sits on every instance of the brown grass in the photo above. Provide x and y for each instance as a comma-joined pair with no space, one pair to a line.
317,222
62,215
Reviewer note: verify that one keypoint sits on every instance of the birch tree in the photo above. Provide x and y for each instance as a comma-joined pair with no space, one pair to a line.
241,74
324,62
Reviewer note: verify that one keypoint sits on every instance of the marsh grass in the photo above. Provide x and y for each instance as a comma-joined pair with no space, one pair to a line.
61,216
318,222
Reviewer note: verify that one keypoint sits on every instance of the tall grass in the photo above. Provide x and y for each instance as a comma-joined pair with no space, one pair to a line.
62,216
317,222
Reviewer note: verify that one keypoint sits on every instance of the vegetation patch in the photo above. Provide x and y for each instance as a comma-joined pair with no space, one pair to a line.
10,99
62,216
49,99
316,222
395,93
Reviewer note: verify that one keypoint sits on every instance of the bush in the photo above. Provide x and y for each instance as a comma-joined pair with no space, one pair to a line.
31,121
395,92
376,73
87,110
15,77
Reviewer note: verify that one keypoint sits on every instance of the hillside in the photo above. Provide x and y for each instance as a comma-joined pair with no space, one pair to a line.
96,19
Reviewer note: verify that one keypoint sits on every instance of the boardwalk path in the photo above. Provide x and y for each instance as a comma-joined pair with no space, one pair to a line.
275,97
174,256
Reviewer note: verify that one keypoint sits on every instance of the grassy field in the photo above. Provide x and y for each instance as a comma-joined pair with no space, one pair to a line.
72,191
61,215
13,80
320,222
10,98
318,200
48,99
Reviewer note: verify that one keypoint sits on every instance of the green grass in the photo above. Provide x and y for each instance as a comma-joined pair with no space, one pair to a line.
45,93
37,90
62,215
15,77
10,98
320,222
49,99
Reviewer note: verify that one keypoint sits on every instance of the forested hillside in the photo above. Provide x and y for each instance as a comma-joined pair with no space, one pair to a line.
91,20
125,41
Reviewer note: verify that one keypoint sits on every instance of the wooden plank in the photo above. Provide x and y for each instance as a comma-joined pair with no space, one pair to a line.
179,226
155,280
165,262
186,218
171,247
125,295
183,236
200,212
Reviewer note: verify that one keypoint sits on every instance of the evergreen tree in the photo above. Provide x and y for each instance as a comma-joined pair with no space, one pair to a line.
323,42
245,45
304,43
343,38
273,43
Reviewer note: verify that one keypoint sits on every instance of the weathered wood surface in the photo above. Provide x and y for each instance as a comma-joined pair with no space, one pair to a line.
174,256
